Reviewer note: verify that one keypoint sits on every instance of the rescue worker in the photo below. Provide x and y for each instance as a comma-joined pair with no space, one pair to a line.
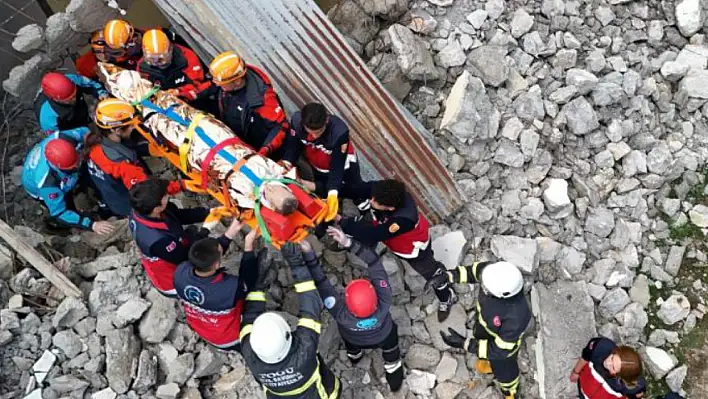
157,228
60,105
50,173
124,42
404,230
606,371
323,139
212,299
113,165
244,99
87,63
502,318
363,316
284,362
173,67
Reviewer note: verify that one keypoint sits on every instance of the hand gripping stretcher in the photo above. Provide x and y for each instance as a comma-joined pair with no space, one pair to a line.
214,160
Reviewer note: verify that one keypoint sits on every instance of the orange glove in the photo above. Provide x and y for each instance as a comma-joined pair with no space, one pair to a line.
332,205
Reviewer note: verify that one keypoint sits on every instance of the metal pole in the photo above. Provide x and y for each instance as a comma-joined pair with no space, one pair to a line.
309,60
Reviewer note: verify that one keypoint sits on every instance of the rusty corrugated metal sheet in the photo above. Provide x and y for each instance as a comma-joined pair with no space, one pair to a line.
308,59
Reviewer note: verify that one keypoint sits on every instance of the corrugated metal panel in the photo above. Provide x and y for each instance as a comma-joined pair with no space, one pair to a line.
308,60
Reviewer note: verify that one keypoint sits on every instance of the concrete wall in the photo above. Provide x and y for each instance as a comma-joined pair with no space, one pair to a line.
10,22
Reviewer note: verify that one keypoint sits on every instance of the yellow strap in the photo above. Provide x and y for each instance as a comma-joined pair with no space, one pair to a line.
474,270
482,352
305,286
511,384
311,324
463,274
245,330
256,296
315,378
335,391
187,144
498,341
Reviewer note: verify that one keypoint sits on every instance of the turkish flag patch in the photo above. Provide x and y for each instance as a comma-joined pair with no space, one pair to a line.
394,227
383,284
53,196
171,247
496,321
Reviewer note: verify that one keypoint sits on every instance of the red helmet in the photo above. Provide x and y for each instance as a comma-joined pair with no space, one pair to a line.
58,87
61,154
360,298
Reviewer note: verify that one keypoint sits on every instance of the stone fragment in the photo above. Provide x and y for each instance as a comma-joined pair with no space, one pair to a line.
122,351
231,381
146,375
414,59
20,78
556,200
529,105
699,215
615,300
675,378
600,221
695,83
44,363
9,320
565,315
689,17
167,391
457,318
674,260
28,38
90,15
447,367
449,248
451,55
107,393
477,18
494,8
522,252
69,343
130,311
488,63
422,22
159,319
583,80
181,368
607,93
674,309
468,112
657,361
422,357
70,311
509,154
640,290
580,116
67,383
521,23
420,382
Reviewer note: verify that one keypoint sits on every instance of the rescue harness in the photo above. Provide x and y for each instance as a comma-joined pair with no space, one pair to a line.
275,228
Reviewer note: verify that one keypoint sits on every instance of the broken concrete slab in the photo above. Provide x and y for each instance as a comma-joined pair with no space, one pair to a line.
522,252
449,248
159,319
70,311
469,113
28,38
122,350
565,314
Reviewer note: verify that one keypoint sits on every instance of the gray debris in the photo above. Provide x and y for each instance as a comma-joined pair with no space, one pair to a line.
413,58
70,311
657,361
28,38
468,112
674,309
122,351
159,319
522,252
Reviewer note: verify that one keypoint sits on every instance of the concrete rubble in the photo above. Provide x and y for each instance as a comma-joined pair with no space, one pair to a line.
577,133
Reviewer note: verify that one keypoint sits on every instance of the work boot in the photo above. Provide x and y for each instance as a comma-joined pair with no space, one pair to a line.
444,307
395,376
483,366
355,357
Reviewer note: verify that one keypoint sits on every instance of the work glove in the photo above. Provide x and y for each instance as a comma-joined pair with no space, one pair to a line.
339,236
292,254
437,281
332,205
266,273
455,340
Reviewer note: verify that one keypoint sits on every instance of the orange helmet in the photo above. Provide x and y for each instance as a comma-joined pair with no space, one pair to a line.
112,112
227,67
118,33
98,42
155,42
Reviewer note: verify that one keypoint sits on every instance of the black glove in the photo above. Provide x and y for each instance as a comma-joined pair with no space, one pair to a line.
436,281
292,254
266,272
455,340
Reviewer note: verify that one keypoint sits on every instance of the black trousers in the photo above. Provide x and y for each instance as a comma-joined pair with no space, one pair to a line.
427,266
350,189
389,347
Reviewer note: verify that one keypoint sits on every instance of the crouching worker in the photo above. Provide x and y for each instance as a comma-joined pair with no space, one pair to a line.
113,166
60,105
404,230
502,318
606,371
50,174
157,228
284,362
212,299
363,315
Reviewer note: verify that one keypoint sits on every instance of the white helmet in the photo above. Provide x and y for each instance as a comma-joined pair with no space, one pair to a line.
502,279
271,337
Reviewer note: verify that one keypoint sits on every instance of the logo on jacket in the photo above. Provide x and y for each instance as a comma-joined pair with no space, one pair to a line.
496,321
394,227
180,80
171,247
367,324
194,294
383,284
329,302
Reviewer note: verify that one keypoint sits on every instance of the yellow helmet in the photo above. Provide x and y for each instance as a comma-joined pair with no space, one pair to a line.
118,33
112,112
227,67
155,43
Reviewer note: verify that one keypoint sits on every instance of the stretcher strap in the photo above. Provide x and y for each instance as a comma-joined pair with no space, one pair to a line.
217,148
147,96
187,144
257,208
170,113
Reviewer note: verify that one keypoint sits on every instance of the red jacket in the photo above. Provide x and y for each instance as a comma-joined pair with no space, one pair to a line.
185,73
86,65
594,386
409,244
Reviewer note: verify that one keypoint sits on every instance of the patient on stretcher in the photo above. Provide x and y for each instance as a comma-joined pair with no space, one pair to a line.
192,134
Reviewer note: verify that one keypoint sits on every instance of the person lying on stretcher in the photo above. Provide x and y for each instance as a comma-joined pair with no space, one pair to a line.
190,134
